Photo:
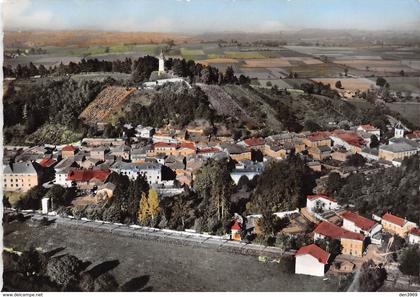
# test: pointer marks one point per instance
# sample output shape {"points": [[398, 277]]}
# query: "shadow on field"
{"points": [[103, 267], [137, 284], [54, 252]]}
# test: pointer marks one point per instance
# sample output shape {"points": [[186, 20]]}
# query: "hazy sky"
{"points": [[209, 15]]}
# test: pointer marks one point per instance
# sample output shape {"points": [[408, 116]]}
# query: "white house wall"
{"points": [[306, 264]]}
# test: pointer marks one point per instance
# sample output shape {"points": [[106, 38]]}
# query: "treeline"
{"points": [[140, 70], [394, 190], [51, 102]]}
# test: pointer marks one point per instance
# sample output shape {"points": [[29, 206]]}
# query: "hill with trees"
{"points": [[394, 189]]}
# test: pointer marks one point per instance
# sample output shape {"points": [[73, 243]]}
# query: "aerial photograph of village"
{"points": [[211, 146]]}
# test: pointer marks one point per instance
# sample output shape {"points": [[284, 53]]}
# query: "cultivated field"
{"points": [[351, 84]]}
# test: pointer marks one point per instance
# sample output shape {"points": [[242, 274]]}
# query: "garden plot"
{"points": [[260, 73], [267, 63], [350, 84], [403, 84]]}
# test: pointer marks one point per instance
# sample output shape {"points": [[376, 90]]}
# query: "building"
{"points": [[69, 151], [235, 231], [165, 148], [341, 154], [368, 128], [349, 140], [103, 141], [99, 153], [396, 151], [186, 149], [396, 225], [62, 169], [356, 223], [151, 171], [246, 168], [321, 138], [161, 63], [320, 153], [352, 243], [253, 143], [121, 151], [320, 203], [311, 260], [236, 152], [414, 236], [87, 179], [19, 177], [144, 132]]}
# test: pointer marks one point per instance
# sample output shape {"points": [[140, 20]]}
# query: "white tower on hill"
{"points": [[161, 63], [398, 131]]}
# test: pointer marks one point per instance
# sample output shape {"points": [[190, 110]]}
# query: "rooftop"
{"points": [[318, 196], [315, 251], [361, 222], [393, 219], [333, 231]]}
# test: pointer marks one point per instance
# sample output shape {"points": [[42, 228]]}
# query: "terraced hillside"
{"points": [[107, 100]]}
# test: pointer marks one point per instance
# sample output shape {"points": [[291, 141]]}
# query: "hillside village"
{"points": [[165, 163]]}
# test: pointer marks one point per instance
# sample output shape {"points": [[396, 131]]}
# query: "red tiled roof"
{"points": [[330, 230], [413, 135], [87, 175], [69, 148], [368, 127], [393, 219], [350, 137], [361, 222], [47, 162], [206, 150], [254, 141], [189, 145], [320, 135], [164, 144], [316, 196], [415, 231], [235, 226], [315, 251]]}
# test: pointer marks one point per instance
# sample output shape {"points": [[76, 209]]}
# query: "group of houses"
{"points": [[86, 164]]}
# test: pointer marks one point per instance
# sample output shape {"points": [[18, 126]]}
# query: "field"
{"points": [[403, 84], [165, 267], [351, 84]]}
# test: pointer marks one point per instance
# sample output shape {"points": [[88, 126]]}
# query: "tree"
{"points": [[410, 261], [371, 277], [356, 160], [32, 198], [380, 81], [334, 183], [312, 126], [346, 71], [57, 195], [402, 73], [64, 270], [153, 203], [374, 142], [143, 208], [338, 84]]}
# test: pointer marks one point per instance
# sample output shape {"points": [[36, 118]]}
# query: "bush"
{"points": [[64, 270]]}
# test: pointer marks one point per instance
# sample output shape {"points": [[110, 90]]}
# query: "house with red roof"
{"points": [[348, 139], [368, 128], [186, 149], [415, 135], [311, 260], [319, 138], [164, 148], [356, 223], [352, 243], [208, 152], [319, 203], [396, 225], [253, 143], [414, 236], [235, 231], [87, 179], [69, 151]]}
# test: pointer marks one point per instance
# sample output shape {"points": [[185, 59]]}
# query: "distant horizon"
{"points": [[216, 16]]}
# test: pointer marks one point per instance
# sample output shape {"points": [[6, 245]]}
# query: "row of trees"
{"points": [[140, 70]]}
